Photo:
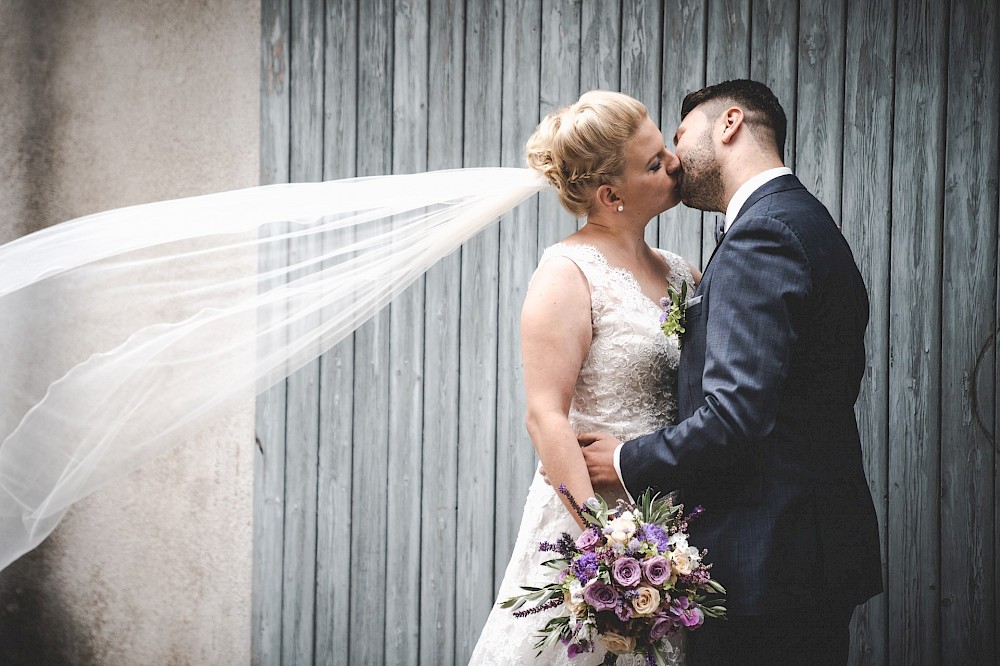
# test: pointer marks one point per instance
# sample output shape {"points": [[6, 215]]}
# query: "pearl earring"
{"points": [[620, 208]]}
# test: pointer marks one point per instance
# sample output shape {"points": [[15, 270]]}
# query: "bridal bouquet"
{"points": [[628, 581]]}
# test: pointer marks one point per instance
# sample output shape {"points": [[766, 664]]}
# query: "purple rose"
{"points": [[587, 539], [600, 596], [656, 569], [626, 571], [663, 624]]}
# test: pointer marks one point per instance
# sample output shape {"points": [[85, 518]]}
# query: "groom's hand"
{"points": [[599, 454]]}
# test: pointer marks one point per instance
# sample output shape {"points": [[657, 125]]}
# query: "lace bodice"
{"points": [[625, 387], [626, 384]]}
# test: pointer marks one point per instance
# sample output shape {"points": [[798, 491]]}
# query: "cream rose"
{"points": [[682, 562], [621, 528], [616, 643], [647, 601], [685, 559], [576, 602]]}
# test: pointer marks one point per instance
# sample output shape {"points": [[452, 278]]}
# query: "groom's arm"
{"points": [[757, 288]]}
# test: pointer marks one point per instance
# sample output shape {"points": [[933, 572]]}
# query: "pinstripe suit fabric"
{"points": [[767, 439]]}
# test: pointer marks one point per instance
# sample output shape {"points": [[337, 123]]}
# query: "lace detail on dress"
{"points": [[625, 387]]}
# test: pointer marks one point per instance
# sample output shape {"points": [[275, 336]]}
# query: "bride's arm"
{"points": [[555, 340]]}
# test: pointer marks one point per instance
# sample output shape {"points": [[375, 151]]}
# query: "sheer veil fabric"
{"points": [[124, 333]]}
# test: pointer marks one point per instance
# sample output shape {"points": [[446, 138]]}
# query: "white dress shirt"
{"points": [[748, 188], [732, 210]]}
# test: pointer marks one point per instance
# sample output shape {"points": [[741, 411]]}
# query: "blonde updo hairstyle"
{"points": [[582, 146]]}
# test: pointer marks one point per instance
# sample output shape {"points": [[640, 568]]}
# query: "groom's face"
{"points": [[701, 173]]}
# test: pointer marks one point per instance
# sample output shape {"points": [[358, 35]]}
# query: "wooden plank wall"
{"points": [[391, 473]]}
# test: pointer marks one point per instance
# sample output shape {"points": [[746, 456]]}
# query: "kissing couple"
{"points": [[749, 413]]}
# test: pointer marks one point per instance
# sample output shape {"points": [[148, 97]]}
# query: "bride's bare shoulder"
{"points": [[559, 271]]}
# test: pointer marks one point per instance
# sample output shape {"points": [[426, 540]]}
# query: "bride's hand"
{"points": [[599, 454]]}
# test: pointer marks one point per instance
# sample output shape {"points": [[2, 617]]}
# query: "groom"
{"points": [[771, 363]]}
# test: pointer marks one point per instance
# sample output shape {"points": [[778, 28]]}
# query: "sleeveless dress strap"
{"points": [[587, 258], [680, 270]]}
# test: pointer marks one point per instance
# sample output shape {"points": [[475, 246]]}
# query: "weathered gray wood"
{"points": [[727, 57], [774, 25], [996, 426], [336, 400], [728, 53], [560, 38], [866, 219], [968, 305], [406, 346], [302, 410], [269, 467], [370, 520], [600, 44], [685, 38], [820, 109], [430, 462], [442, 318], [274, 91], [915, 334], [478, 343], [996, 421], [516, 460]]}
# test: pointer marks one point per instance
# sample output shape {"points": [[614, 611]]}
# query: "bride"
{"points": [[593, 354]]}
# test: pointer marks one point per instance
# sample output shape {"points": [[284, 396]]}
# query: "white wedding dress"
{"points": [[625, 387]]}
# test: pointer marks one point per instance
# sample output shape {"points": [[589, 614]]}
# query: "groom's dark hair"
{"points": [[761, 109]]}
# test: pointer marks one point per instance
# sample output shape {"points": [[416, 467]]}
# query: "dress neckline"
{"points": [[625, 273]]}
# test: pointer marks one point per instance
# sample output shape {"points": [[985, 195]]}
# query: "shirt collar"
{"points": [[748, 188]]}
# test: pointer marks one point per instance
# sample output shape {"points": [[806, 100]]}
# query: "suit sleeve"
{"points": [[754, 300]]}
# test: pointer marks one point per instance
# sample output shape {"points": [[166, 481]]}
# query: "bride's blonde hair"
{"points": [[582, 146]]}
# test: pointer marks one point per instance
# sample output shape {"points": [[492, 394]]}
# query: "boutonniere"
{"points": [[674, 306]]}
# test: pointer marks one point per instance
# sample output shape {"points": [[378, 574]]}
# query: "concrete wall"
{"points": [[106, 103]]}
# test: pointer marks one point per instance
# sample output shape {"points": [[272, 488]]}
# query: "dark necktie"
{"points": [[720, 228]]}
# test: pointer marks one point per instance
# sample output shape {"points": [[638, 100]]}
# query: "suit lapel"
{"points": [[773, 186]]}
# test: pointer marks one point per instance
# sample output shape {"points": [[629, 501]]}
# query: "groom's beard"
{"points": [[701, 177]]}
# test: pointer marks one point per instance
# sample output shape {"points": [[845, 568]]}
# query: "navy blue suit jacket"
{"points": [[767, 439]]}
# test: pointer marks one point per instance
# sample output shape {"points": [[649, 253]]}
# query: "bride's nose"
{"points": [[673, 164]]}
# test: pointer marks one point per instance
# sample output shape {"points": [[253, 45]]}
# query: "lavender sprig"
{"points": [[551, 603], [572, 501]]}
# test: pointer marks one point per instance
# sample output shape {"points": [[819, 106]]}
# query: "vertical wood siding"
{"points": [[391, 472], [866, 205]]}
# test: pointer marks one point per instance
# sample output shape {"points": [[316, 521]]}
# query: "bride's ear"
{"points": [[607, 198]]}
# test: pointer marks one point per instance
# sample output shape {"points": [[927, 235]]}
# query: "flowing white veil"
{"points": [[124, 333]]}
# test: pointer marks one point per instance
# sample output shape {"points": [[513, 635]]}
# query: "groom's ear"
{"points": [[732, 123]]}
